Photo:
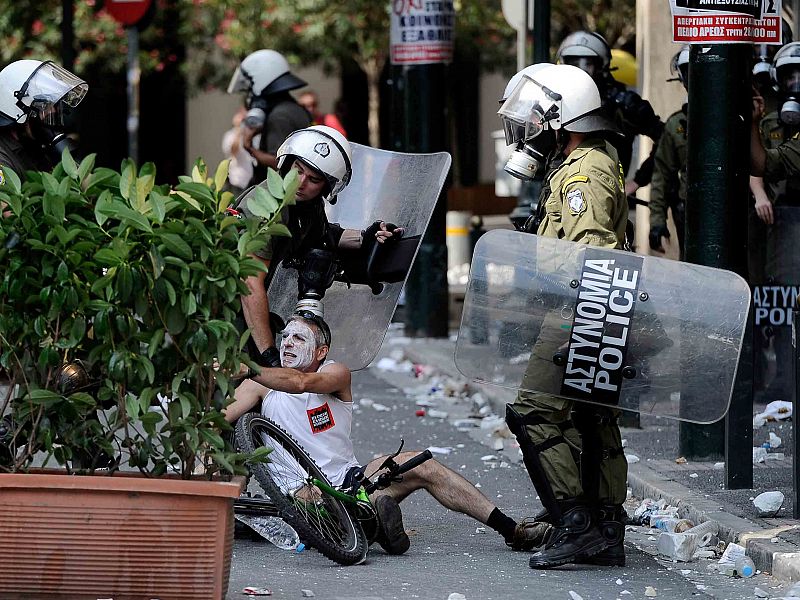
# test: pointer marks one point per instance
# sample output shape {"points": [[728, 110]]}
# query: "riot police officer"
{"points": [[558, 114], [668, 188], [625, 108], [272, 113], [775, 156], [323, 160], [35, 99]]}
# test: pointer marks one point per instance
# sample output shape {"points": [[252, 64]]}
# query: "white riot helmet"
{"points": [[586, 50], [262, 73], [530, 70], [679, 65], [322, 148], [41, 89], [557, 97]]}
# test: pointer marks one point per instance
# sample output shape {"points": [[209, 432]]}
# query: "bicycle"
{"points": [[339, 522]]}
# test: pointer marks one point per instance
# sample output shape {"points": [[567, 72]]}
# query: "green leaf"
{"points": [[102, 207], [221, 175], [143, 187], [197, 190], [130, 217], [124, 282], [262, 204], [69, 164], [148, 367], [107, 257], [44, 398], [186, 407], [53, 205], [49, 182], [275, 183], [157, 261], [86, 166], [212, 437], [176, 320], [77, 331], [158, 204], [11, 180], [279, 229], [127, 179], [290, 184], [189, 304], [154, 345], [176, 244]]}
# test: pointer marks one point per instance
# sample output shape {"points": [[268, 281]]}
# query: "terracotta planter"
{"points": [[120, 537]]}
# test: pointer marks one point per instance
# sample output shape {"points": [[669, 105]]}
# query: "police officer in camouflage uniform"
{"points": [[557, 114], [668, 188], [775, 156], [631, 114]]}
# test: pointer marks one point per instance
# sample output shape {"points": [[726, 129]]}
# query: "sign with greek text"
{"points": [[773, 304], [422, 32], [598, 341], [726, 21]]}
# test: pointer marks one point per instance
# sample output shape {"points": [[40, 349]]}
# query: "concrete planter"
{"points": [[120, 537]]}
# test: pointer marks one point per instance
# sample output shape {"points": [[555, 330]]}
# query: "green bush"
{"points": [[141, 283]]}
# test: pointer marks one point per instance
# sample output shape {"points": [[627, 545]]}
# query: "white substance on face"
{"points": [[297, 345]]}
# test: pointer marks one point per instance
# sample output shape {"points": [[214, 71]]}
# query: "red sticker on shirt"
{"points": [[320, 418]]}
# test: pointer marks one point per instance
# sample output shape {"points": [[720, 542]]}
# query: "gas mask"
{"points": [[256, 112], [529, 156], [48, 130], [790, 87]]}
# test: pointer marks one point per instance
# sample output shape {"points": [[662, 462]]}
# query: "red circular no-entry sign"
{"points": [[127, 12]]}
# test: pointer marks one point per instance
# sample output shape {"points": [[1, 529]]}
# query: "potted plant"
{"points": [[118, 302]]}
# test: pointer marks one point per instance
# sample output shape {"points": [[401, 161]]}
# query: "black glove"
{"points": [[270, 357], [368, 235], [656, 233]]}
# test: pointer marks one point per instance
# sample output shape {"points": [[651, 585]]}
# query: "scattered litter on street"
{"points": [[307, 593], [759, 455], [677, 546], [256, 591], [774, 440], [650, 591], [681, 460], [575, 595], [488, 457], [456, 596], [480, 530], [768, 503], [437, 414], [718, 466], [380, 407], [632, 459], [440, 449]]}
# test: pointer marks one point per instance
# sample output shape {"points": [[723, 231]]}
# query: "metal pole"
{"points": [[134, 74], [67, 35], [716, 218], [795, 420], [529, 190]]}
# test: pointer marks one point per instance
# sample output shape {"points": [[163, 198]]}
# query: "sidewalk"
{"points": [[696, 488]]}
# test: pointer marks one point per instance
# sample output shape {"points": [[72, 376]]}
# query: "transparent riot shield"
{"points": [[398, 188], [602, 326]]}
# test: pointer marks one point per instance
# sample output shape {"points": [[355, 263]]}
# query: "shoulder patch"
{"points": [[576, 202], [2, 177]]}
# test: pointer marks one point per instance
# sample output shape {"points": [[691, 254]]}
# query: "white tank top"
{"points": [[321, 423]]}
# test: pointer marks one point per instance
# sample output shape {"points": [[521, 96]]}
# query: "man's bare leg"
{"points": [[449, 488]]}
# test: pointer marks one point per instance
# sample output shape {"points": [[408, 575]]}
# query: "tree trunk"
{"points": [[372, 68]]}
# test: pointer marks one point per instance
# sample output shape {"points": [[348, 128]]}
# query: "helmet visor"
{"points": [[530, 106], [240, 82], [51, 91]]}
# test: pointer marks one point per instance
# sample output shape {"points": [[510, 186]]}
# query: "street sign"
{"points": [[421, 33], [127, 12], [726, 21]]}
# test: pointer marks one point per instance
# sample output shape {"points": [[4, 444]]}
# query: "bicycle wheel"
{"points": [[320, 520]]}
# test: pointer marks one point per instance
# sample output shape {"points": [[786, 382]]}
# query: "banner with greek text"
{"points": [[422, 32], [726, 21]]}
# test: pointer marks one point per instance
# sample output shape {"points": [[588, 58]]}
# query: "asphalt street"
{"points": [[449, 553]]}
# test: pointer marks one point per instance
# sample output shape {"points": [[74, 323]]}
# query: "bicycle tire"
{"points": [[325, 524]]}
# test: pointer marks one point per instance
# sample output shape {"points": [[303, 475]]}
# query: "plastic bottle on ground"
{"points": [[745, 567], [277, 531]]}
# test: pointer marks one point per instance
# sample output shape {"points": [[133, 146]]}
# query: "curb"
{"points": [[768, 552]]}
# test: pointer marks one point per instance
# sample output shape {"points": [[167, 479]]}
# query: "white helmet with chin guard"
{"points": [[37, 88], [262, 73], [322, 148], [557, 97]]}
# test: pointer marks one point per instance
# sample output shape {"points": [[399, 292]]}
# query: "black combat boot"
{"points": [[611, 520], [576, 536]]}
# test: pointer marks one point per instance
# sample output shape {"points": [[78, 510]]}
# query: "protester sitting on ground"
{"points": [[309, 381]]}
